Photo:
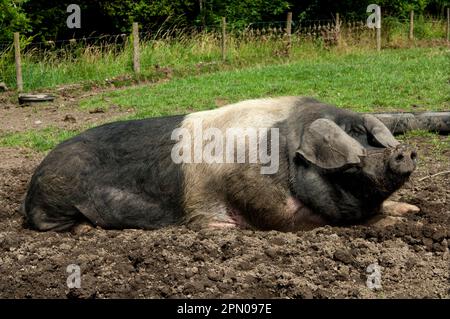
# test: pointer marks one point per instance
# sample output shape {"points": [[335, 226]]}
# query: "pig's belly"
{"points": [[303, 217], [297, 217]]}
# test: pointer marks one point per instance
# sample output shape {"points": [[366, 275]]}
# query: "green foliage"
{"points": [[150, 14], [401, 8], [47, 18], [244, 12], [12, 19]]}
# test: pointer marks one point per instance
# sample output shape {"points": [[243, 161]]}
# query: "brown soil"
{"points": [[60, 113], [328, 262]]}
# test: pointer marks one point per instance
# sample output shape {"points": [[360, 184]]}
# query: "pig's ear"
{"points": [[379, 131], [326, 145]]}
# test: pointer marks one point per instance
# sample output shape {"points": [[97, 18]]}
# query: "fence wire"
{"points": [[326, 32], [258, 28]]}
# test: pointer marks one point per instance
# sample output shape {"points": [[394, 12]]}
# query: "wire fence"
{"points": [[437, 29], [300, 27], [226, 38]]}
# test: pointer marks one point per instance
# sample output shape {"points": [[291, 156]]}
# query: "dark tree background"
{"points": [[46, 19]]}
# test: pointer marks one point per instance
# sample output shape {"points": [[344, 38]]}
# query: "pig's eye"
{"points": [[359, 129], [372, 141], [352, 170]]}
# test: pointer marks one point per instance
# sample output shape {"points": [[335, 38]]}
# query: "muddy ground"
{"points": [[63, 112], [329, 262]]}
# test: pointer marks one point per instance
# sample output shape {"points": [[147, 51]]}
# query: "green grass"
{"points": [[42, 140], [424, 29], [90, 65], [363, 81], [438, 145], [188, 53]]}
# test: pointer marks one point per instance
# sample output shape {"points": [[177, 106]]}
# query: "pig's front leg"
{"points": [[392, 208], [82, 228], [265, 203], [392, 212], [243, 197]]}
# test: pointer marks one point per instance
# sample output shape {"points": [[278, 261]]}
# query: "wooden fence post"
{"points": [[411, 25], [289, 33], [224, 37], [379, 35], [337, 29], [448, 25], [19, 80], [136, 53]]}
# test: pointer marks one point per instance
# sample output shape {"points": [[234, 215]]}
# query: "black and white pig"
{"points": [[323, 165]]}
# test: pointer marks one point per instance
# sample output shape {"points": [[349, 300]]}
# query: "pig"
{"points": [[327, 166]]}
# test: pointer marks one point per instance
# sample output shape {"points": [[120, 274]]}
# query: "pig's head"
{"points": [[344, 171]]}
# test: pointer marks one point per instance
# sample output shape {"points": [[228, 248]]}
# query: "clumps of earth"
{"points": [[411, 258]]}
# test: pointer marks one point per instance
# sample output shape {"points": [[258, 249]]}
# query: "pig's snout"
{"points": [[403, 160]]}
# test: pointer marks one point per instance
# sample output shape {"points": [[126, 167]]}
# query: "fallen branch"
{"points": [[437, 174]]}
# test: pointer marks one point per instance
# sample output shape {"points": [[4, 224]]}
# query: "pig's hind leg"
{"points": [[119, 208], [48, 204], [44, 220]]}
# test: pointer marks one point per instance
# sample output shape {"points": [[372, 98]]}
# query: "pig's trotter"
{"points": [[221, 225], [384, 221], [392, 208], [82, 228], [392, 213]]}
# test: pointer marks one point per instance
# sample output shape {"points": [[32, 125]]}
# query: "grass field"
{"points": [[184, 56], [186, 52], [364, 81], [401, 79]]}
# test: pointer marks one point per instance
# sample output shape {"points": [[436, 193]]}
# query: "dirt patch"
{"points": [[62, 113], [327, 262]]}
